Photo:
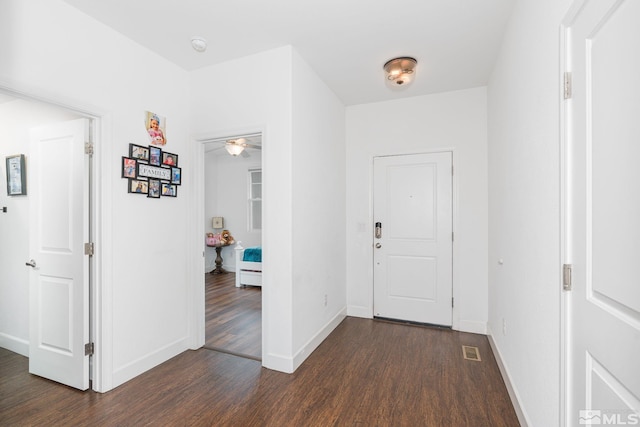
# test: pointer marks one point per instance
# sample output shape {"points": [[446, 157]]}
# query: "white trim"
{"points": [[196, 246], [317, 339], [102, 295], [195, 274], [101, 307], [455, 315], [506, 377], [148, 361], [565, 212], [15, 344], [288, 365], [471, 326]]}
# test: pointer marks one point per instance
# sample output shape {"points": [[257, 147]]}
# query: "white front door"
{"points": [[59, 278], [602, 311], [412, 203]]}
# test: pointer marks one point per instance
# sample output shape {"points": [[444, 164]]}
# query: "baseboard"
{"points": [[143, 364], [513, 394], [15, 344], [471, 326], [278, 363], [288, 365], [317, 339], [359, 311]]}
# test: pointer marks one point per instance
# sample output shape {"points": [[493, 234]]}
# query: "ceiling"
{"points": [[345, 41]]}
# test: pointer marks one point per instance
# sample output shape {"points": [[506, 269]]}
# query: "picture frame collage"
{"points": [[151, 171]]}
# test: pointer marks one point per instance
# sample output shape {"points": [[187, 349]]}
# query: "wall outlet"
{"points": [[504, 326]]}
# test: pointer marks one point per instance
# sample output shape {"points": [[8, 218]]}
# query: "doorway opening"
{"points": [[41, 131], [233, 227]]}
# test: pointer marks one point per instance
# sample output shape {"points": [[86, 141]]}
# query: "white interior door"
{"points": [[603, 122], [59, 281], [413, 254]]}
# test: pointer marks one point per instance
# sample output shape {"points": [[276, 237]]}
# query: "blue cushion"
{"points": [[253, 254]]}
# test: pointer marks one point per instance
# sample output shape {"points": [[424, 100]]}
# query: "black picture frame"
{"points": [[154, 189], [16, 175], [129, 167], [176, 176], [139, 152], [169, 159], [169, 190], [155, 156], [138, 186]]}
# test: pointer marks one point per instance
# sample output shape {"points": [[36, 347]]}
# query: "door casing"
{"points": [[455, 315], [100, 229]]}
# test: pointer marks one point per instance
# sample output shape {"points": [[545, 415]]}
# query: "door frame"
{"points": [[564, 216], [196, 246], [565, 211], [455, 315], [100, 220]]}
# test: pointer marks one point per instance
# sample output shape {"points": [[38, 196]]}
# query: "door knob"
{"points": [[31, 263], [378, 245]]}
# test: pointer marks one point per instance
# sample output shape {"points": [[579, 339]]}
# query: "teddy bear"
{"points": [[227, 238]]}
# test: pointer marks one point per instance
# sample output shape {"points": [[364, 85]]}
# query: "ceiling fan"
{"points": [[237, 145]]}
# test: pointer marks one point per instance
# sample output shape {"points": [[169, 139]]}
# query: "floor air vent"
{"points": [[471, 353]]}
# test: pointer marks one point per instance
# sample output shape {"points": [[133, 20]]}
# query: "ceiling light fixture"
{"points": [[199, 44], [400, 71], [235, 146]]}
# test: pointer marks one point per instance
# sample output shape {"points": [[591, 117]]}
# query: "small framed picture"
{"points": [[218, 222], [154, 188], [128, 167], [169, 190], [139, 152], [16, 175], [176, 176], [155, 156], [169, 159], [155, 125], [138, 186]]}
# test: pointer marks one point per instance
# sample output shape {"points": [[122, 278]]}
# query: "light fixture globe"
{"points": [[235, 146], [400, 71], [198, 43]]}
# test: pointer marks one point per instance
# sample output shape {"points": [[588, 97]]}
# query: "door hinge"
{"points": [[451, 302], [566, 277], [88, 148], [88, 249], [567, 85], [453, 238], [451, 170], [88, 349]]}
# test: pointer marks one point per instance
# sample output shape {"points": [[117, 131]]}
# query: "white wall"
{"points": [[226, 184], [523, 105], [258, 93], [448, 121], [17, 118], [248, 95], [53, 51], [319, 245]]}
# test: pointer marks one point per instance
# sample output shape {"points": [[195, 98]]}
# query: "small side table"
{"points": [[219, 260]]}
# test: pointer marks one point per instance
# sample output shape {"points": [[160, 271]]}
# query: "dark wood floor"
{"points": [[233, 316], [366, 373]]}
